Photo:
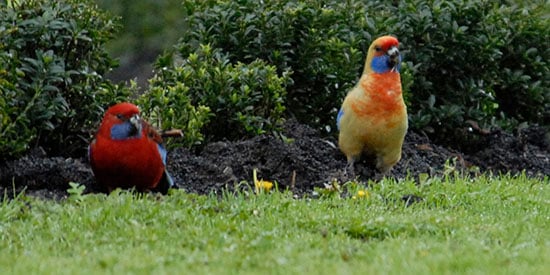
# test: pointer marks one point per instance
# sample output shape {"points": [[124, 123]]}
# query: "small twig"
{"points": [[172, 133], [475, 126], [293, 180]]}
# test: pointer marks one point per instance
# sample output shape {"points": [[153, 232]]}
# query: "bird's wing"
{"points": [[339, 117], [166, 181], [151, 132]]}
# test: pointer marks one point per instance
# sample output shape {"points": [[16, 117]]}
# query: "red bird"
{"points": [[128, 152]]}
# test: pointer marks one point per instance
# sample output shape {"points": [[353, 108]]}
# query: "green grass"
{"points": [[485, 225]]}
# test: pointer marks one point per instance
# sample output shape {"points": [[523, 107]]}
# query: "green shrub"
{"points": [[476, 60], [168, 106], [321, 42], [522, 89], [51, 66], [463, 60], [233, 100]]}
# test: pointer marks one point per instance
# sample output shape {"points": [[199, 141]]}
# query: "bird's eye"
{"points": [[378, 48], [119, 116]]}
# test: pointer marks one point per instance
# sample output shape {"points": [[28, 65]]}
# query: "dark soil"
{"points": [[301, 162]]}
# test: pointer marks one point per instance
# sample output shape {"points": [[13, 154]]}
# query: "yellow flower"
{"points": [[264, 185], [361, 194], [261, 185]]}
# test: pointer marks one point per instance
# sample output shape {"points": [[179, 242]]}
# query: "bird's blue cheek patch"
{"points": [[339, 117], [379, 64], [124, 131]]}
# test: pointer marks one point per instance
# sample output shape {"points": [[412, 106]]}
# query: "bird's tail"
{"points": [[165, 183]]}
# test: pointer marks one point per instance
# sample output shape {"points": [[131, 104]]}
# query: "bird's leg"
{"points": [[349, 170], [379, 175], [384, 167]]}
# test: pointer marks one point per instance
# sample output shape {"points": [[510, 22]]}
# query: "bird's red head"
{"points": [[118, 114], [383, 56], [381, 45], [124, 110]]}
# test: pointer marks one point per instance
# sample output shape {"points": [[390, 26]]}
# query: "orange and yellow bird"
{"points": [[373, 116]]}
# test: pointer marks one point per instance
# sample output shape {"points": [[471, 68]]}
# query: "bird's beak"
{"points": [[136, 123], [394, 59]]}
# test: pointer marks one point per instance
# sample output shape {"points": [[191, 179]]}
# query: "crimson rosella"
{"points": [[128, 152], [373, 116]]}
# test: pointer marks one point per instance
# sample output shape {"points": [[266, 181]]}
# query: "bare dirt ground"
{"points": [[302, 161]]}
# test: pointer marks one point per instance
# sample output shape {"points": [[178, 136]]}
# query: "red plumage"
{"points": [[126, 153]]}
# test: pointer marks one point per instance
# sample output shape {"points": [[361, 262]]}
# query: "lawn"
{"points": [[484, 225]]}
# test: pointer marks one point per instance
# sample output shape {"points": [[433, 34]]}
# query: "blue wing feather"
{"points": [[339, 117], [163, 154]]}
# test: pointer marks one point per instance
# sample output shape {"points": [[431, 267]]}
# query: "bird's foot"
{"points": [[349, 172]]}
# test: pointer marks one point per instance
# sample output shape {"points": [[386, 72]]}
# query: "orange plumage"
{"points": [[373, 116]]}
